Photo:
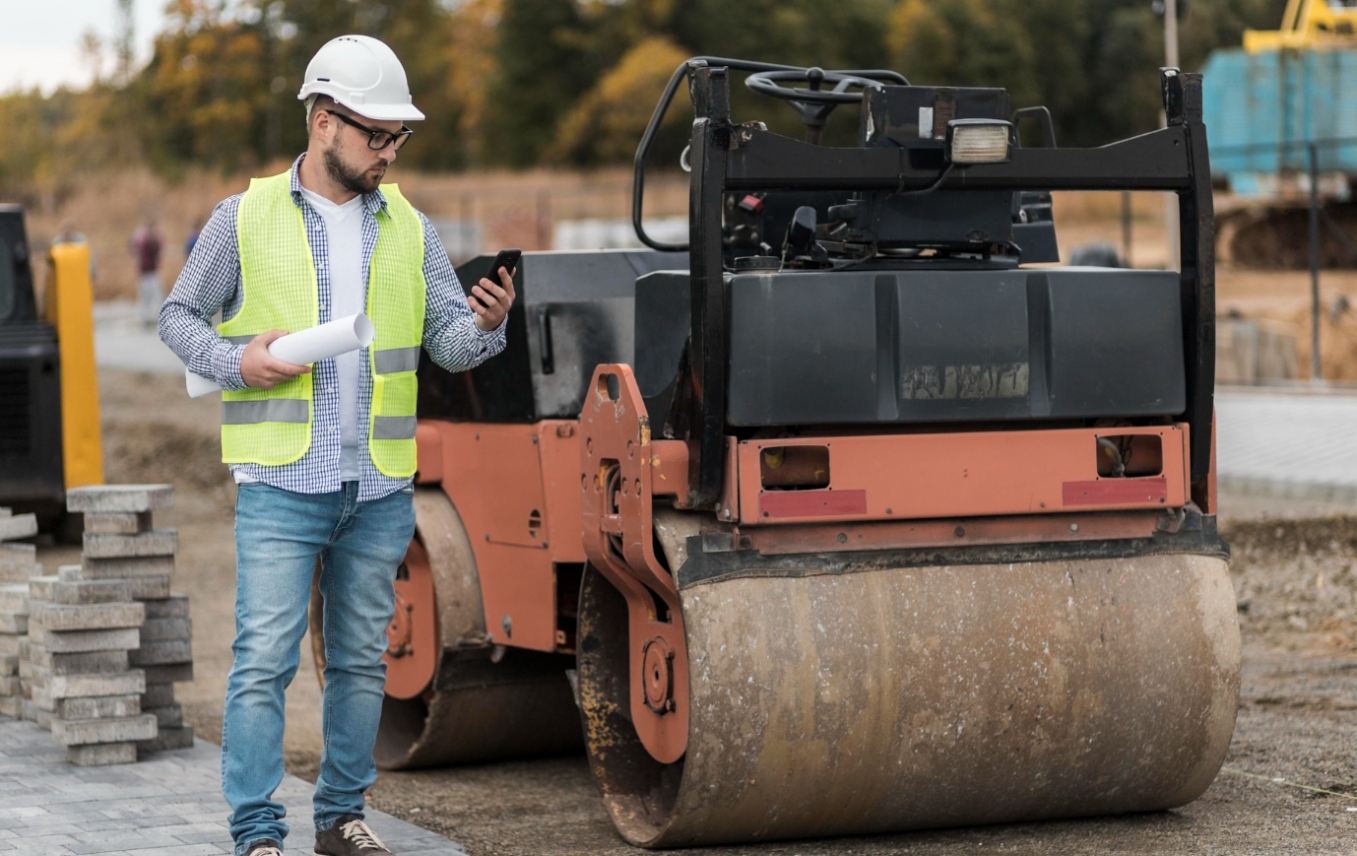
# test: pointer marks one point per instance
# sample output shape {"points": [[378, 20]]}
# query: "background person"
{"points": [[145, 247], [323, 456]]}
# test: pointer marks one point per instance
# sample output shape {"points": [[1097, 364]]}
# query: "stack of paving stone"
{"points": [[80, 634], [17, 564], [121, 544]]}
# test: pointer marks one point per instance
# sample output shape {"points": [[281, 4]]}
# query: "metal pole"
{"points": [[1171, 199], [1313, 151], [1126, 228]]}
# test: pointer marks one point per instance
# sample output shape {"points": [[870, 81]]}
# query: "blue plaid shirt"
{"points": [[210, 281]]}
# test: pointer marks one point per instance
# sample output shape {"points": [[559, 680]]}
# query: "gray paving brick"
{"points": [[167, 630], [76, 641], [162, 653], [172, 606], [81, 663], [146, 588], [120, 498], [158, 695], [102, 754], [202, 849], [89, 616], [156, 542], [14, 598], [56, 590], [100, 707], [11, 623], [130, 682], [18, 526], [95, 568], [170, 716], [77, 732], [118, 522]]}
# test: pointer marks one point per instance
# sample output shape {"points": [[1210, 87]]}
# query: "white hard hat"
{"points": [[363, 74]]}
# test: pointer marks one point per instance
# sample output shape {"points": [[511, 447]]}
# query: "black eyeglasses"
{"points": [[377, 138]]}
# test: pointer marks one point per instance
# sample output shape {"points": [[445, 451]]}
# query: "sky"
{"points": [[40, 41]]}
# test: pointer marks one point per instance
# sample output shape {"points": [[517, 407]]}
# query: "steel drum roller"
{"points": [[905, 698]]}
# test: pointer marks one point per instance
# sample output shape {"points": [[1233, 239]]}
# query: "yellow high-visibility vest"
{"points": [[278, 282]]}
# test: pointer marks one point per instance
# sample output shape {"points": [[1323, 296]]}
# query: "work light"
{"points": [[978, 140]]}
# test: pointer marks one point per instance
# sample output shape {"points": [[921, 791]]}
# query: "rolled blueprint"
{"points": [[305, 347]]}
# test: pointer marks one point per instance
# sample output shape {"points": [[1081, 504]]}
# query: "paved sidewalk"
{"points": [[168, 806], [1288, 442]]}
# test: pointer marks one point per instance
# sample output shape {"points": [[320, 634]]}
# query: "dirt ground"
{"points": [[1295, 570]]}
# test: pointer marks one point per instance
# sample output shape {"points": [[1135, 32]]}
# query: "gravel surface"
{"points": [[1295, 570]]}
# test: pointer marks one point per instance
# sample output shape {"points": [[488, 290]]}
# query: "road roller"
{"points": [[854, 513]]}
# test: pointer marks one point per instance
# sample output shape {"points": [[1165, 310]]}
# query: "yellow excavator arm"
{"points": [[1307, 24], [69, 308]]}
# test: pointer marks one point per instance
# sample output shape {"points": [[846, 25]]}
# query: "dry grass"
{"points": [[515, 209]]}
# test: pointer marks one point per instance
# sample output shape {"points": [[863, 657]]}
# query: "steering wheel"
{"points": [[816, 103]]}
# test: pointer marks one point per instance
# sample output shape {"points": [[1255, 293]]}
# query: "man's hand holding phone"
{"points": [[491, 300]]}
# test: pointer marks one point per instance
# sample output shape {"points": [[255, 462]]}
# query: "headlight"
{"points": [[978, 140]]}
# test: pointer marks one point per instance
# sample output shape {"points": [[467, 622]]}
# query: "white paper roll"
{"points": [[305, 347]]}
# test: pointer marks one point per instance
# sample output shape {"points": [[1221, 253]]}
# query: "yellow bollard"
{"points": [[69, 307]]}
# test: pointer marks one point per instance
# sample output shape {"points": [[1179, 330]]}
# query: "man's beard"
{"points": [[354, 181]]}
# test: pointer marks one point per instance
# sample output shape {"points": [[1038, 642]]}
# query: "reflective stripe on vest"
{"points": [[395, 360], [267, 410], [393, 427]]}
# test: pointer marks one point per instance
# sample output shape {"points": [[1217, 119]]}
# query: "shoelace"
{"points": [[358, 832]]}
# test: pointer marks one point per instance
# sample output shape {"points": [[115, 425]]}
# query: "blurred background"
{"points": [[123, 110]]}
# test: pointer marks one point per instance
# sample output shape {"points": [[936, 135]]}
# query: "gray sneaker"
{"points": [[350, 837], [267, 847]]}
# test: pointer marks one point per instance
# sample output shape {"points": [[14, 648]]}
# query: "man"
{"points": [[323, 455], [145, 246]]}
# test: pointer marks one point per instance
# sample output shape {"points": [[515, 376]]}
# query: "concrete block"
{"points": [[85, 663], [155, 542], [9, 644], [103, 499], [11, 706], [9, 685], [9, 664], [42, 699], [167, 630], [161, 653], [102, 754], [168, 738], [32, 673], [56, 590], [33, 713], [96, 568], [18, 526], [157, 695], [19, 573], [18, 554], [12, 624], [99, 707], [143, 588], [25, 647], [70, 573], [118, 522], [121, 729], [132, 682], [177, 673], [75, 641], [14, 598], [171, 716], [89, 616], [174, 606]]}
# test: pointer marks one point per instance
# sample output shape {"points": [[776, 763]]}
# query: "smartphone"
{"points": [[507, 259]]}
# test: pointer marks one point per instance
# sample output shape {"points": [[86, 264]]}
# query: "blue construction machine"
{"points": [[1282, 114]]}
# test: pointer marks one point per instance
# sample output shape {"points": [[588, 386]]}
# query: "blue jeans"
{"points": [[279, 535]]}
